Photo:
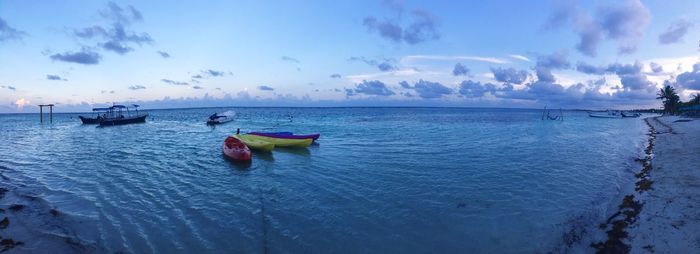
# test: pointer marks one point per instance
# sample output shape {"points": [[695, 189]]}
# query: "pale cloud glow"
{"points": [[672, 65], [402, 73], [407, 60], [488, 75], [520, 57], [21, 103]]}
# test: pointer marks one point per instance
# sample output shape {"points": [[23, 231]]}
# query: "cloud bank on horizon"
{"points": [[377, 53]]}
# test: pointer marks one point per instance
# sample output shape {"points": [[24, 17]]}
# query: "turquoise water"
{"points": [[380, 180]]}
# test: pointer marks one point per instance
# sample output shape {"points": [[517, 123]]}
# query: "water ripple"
{"points": [[381, 180]]}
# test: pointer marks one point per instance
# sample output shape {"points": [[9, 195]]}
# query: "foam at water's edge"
{"points": [[630, 208], [581, 230]]}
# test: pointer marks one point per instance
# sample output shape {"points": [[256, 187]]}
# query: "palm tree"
{"points": [[670, 99], [695, 100]]}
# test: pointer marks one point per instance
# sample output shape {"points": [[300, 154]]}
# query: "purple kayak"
{"points": [[287, 135]]}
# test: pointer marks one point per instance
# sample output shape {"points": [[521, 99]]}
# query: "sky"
{"points": [[171, 54]]}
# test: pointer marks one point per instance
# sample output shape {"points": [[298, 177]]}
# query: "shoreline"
{"points": [[323, 107], [660, 215], [670, 221], [29, 223]]}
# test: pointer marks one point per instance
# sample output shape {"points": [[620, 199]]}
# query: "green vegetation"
{"points": [[672, 102], [670, 99], [694, 101]]}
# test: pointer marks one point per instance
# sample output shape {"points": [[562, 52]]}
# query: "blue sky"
{"points": [[592, 54]]}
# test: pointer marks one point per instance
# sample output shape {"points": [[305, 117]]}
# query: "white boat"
{"points": [[219, 118], [606, 114], [631, 114]]}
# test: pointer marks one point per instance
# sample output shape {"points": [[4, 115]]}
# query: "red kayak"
{"points": [[235, 149]]}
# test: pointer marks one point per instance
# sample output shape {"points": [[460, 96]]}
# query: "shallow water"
{"points": [[398, 180]]}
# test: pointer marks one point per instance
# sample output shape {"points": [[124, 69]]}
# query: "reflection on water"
{"points": [[238, 165], [294, 150]]}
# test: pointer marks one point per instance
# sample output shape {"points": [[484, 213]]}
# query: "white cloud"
{"points": [[520, 57], [565, 80], [488, 75], [402, 73], [671, 67], [413, 58]]}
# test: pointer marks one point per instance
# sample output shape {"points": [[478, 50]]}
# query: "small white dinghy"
{"points": [[631, 114], [606, 114], [219, 118]]}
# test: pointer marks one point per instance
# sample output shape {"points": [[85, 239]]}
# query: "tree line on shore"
{"points": [[672, 102]]}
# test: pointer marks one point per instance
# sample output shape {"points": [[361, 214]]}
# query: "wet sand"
{"points": [[661, 215], [627, 213]]}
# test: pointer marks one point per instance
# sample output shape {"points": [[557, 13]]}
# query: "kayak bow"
{"points": [[236, 150]]}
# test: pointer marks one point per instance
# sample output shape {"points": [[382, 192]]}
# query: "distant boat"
{"points": [[606, 114], [219, 118], [120, 115], [631, 114], [96, 118]]}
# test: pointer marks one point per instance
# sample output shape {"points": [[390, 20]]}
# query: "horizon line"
{"points": [[455, 107]]}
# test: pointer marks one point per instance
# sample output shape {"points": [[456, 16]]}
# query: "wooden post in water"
{"points": [[41, 112], [561, 113], [544, 110]]}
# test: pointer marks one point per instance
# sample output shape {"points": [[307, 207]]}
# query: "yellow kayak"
{"points": [[255, 144], [280, 142]]}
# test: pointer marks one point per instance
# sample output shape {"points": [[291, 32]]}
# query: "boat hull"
{"points": [[87, 120], [122, 121], [219, 121], [255, 144], [631, 115], [286, 135], [235, 149], [283, 142], [220, 118], [604, 116]]}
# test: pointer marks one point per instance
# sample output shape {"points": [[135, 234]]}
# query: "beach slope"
{"points": [[670, 219]]}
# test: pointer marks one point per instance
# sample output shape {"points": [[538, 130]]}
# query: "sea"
{"points": [[379, 180]]}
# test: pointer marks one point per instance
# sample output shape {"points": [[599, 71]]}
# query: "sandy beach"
{"points": [[669, 221]]}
